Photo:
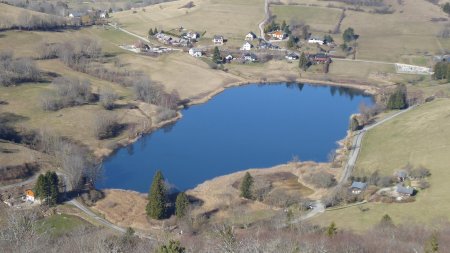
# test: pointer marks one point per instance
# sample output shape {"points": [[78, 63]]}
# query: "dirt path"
{"points": [[266, 17]]}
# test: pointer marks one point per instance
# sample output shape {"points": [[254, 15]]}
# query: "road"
{"points": [[366, 61], [95, 216], [139, 37], [266, 17], [28, 181], [319, 207]]}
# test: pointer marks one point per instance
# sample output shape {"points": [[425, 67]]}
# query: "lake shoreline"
{"points": [[204, 98]]}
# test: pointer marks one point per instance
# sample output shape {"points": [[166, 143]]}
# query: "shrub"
{"points": [[321, 179], [68, 92], [106, 126], [107, 99]]}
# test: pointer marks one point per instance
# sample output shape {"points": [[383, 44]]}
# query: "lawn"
{"points": [[320, 19], [60, 224], [418, 137]]}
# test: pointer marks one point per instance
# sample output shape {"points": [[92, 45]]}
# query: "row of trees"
{"points": [[157, 207], [17, 70], [85, 55], [27, 21], [47, 188], [67, 92]]}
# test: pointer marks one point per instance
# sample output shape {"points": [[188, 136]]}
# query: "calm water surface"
{"points": [[254, 126]]}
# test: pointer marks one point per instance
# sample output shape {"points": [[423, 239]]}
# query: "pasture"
{"points": [[420, 137]]}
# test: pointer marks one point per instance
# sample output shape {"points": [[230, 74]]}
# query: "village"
{"points": [[254, 49]]}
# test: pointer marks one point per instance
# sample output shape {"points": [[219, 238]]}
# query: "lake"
{"points": [[253, 126]]}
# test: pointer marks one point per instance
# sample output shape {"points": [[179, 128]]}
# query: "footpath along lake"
{"points": [[253, 126]]}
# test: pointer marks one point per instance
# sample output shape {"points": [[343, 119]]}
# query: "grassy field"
{"points": [[58, 225], [320, 19], [419, 137], [390, 37], [231, 18]]}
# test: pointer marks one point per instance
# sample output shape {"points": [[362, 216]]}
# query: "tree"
{"points": [[386, 221], [305, 32], [150, 32], [354, 124], [331, 230], [303, 62], [446, 8], [216, 56], [46, 188], [397, 100], [291, 42], [328, 39], [283, 25], [432, 245], [246, 186], [156, 207], [172, 247], [181, 205], [349, 35]]}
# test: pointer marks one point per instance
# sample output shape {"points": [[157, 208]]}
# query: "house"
{"points": [[319, 58], [358, 187], [218, 40], [401, 175], [29, 195], [193, 35], [229, 58], [75, 15], [315, 40], [104, 14], [249, 57], [292, 56], [195, 52], [279, 35], [404, 191], [250, 36], [247, 46]]}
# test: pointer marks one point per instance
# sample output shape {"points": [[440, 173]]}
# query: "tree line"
{"points": [[17, 70], [85, 55]]}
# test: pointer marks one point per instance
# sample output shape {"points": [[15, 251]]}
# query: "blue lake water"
{"points": [[254, 126]]}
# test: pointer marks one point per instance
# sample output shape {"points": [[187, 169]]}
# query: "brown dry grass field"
{"points": [[219, 197], [420, 137]]}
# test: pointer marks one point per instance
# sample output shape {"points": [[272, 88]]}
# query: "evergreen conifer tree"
{"points": [[332, 230], [216, 56], [246, 186], [181, 205], [156, 207], [303, 62]]}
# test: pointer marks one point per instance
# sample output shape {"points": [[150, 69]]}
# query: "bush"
{"points": [[420, 172], [397, 100], [321, 179], [106, 126], [107, 99], [68, 92], [15, 71]]}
